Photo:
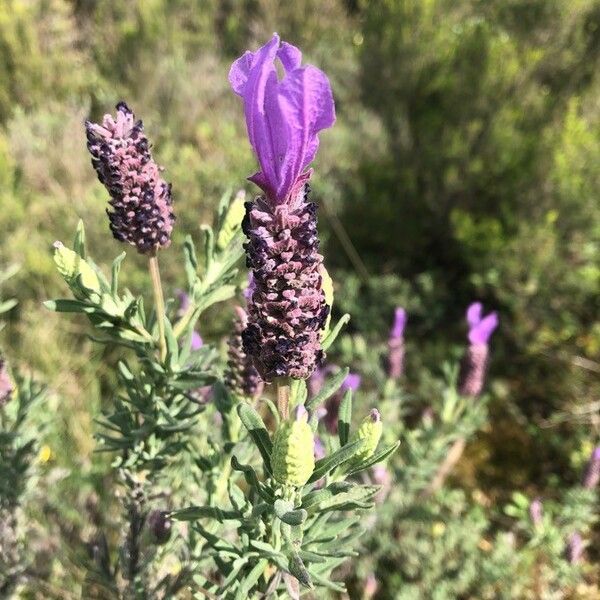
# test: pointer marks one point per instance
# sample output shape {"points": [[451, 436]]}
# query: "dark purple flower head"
{"points": [[241, 377], [480, 327], [283, 116], [592, 472], [142, 212]]}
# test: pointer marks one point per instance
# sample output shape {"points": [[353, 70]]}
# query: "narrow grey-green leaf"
{"points": [[330, 387]]}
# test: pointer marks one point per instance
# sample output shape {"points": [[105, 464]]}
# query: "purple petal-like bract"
{"points": [[474, 364], [480, 328], [197, 342], [575, 548], [142, 213], [241, 377], [287, 307], [395, 362], [283, 117]]}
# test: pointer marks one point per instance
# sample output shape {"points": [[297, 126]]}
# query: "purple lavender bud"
{"points": [[319, 448], [241, 377], [288, 308], [159, 526], [474, 364], [6, 384], [574, 548], [592, 472], [141, 202], [184, 302], [535, 512], [332, 406], [371, 587], [197, 341], [396, 344]]}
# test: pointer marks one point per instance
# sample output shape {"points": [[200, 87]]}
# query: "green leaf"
{"points": [[115, 270], [298, 570], [193, 513], [248, 582], [252, 479], [329, 463], [376, 458], [68, 306], [258, 432], [284, 510], [190, 260], [345, 417], [331, 337], [330, 387], [79, 241]]}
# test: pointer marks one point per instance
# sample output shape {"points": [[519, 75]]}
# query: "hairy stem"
{"points": [[159, 304], [283, 398]]}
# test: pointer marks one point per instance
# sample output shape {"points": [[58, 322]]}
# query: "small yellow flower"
{"points": [[438, 529], [484, 545], [45, 454]]}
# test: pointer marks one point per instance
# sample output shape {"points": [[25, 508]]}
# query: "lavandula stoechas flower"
{"points": [[283, 117], [575, 548], [332, 406], [241, 377], [591, 476], [6, 384], [396, 344], [536, 511], [142, 213], [474, 364]]}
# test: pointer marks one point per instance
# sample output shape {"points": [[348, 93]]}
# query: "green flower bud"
{"points": [[293, 459], [370, 431], [70, 265], [232, 222]]}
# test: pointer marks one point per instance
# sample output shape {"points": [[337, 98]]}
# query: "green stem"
{"points": [[159, 304], [283, 398]]}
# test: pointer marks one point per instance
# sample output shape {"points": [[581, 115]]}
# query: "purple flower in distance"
{"points": [[283, 117], [474, 363], [536, 511], [592, 472], [575, 548], [287, 307], [142, 209], [332, 406], [480, 327], [396, 344], [6, 384]]}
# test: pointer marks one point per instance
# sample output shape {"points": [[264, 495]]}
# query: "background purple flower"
{"points": [[283, 117], [592, 472], [480, 327], [395, 359], [332, 406]]}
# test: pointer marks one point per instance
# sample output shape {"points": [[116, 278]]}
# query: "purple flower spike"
{"points": [[283, 117], [575, 548], [480, 328], [592, 471], [287, 307], [395, 361], [142, 209], [474, 364], [6, 385]]}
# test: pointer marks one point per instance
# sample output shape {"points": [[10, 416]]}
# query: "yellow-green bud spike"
{"points": [[233, 220], [370, 431], [70, 265], [293, 458]]}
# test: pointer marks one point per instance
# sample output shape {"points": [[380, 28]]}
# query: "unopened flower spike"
{"points": [[287, 310], [370, 431], [396, 344], [474, 364], [142, 208], [293, 457]]}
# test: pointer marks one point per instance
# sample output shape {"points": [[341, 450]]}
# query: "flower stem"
{"points": [[283, 398], [159, 304]]}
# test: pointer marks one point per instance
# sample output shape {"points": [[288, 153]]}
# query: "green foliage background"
{"points": [[465, 164]]}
